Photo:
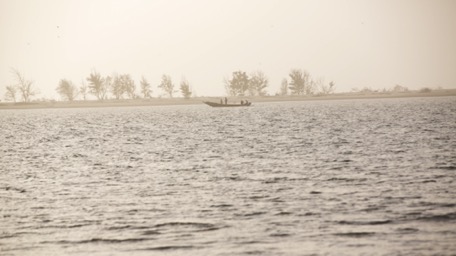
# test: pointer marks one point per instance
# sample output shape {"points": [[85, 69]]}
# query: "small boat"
{"points": [[219, 105]]}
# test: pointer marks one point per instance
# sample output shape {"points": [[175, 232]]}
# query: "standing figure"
{"points": [[226, 101]]}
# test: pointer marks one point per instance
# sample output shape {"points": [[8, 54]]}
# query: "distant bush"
{"points": [[425, 90], [399, 88], [365, 90]]}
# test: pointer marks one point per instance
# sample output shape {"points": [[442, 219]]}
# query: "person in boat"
{"points": [[226, 101], [242, 102]]}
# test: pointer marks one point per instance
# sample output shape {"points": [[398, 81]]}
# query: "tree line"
{"points": [[118, 86], [122, 86], [300, 82]]}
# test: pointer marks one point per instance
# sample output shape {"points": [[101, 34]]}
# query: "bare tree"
{"points": [[284, 87], [146, 90], [10, 94], [229, 89], [326, 89], [167, 85], [258, 83], [97, 85], [332, 86], [67, 90], [311, 87], [24, 86], [83, 90], [185, 88], [108, 82]]}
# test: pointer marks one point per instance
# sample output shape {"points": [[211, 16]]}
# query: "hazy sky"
{"points": [[365, 43]]}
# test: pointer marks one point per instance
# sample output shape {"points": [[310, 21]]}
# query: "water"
{"points": [[364, 177]]}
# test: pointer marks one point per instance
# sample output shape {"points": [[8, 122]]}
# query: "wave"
{"points": [[449, 168], [433, 204], [283, 213], [7, 188], [251, 214], [150, 232], [5, 236], [355, 234], [221, 205], [362, 223], [98, 240], [169, 248], [347, 179], [279, 235], [194, 226], [439, 217], [407, 230], [126, 227]]}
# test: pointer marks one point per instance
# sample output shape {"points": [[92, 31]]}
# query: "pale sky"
{"points": [[355, 43]]}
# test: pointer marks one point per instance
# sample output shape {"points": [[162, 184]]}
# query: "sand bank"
{"points": [[199, 100]]}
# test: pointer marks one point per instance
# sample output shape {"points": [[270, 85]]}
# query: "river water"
{"points": [[348, 177]]}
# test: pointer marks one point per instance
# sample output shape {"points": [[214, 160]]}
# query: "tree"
{"points": [[258, 83], [10, 94], [284, 87], [400, 88], [97, 85], [129, 86], [83, 90], [297, 83], [122, 84], [326, 89], [67, 90], [117, 88], [238, 85], [229, 90], [300, 83], [311, 87], [425, 90], [108, 81], [332, 86], [185, 89], [24, 86], [146, 90], [167, 85]]}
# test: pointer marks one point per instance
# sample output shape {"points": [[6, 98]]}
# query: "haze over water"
{"points": [[341, 177], [355, 43]]}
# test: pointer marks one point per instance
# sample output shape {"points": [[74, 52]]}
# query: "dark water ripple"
{"points": [[373, 177]]}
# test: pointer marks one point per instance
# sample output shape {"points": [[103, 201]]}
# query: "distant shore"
{"points": [[199, 100]]}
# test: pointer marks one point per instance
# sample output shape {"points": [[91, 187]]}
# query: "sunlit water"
{"points": [[371, 177]]}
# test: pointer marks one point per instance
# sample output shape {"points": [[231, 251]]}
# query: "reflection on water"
{"points": [[325, 177]]}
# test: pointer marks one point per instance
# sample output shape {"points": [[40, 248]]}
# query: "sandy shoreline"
{"points": [[199, 100]]}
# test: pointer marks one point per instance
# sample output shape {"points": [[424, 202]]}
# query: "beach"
{"points": [[199, 100]]}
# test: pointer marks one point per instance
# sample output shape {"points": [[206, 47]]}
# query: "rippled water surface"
{"points": [[371, 177]]}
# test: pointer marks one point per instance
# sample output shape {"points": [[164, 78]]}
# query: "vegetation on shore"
{"points": [[199, 100], [122, 88]]}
